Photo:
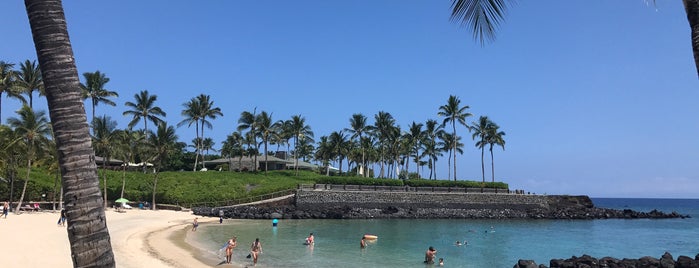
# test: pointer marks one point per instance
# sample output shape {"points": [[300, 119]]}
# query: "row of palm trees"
{"points": [[383, 143]]}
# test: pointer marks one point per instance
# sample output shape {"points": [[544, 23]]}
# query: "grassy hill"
{"points": [[186, 188]]}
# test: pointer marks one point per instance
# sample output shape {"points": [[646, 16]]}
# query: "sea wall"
{"points": [[665, 261], [336, 204], [414, 200]]}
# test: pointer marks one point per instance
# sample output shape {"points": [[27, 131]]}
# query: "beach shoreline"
{"points": [[139, 238]]}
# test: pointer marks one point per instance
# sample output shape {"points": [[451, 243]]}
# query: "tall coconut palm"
{"points": [[383, 126], [339, 146], [324, 153], [480, 131], [7, 79], [359, 127], [300, 131], [87, 230], [265, 128], [94, 90], [248, 121], [144, 108], [103, 141], [192, 115], [433, 130], [207, 111], [233, 146], [33, 128], [451, 143], [414, 139], [28, 80], [454, 113], [207, 144], [127, 142], [162, 143], [495, 137]]}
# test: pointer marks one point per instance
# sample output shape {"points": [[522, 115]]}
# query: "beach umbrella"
{"points": [[121, 200]]}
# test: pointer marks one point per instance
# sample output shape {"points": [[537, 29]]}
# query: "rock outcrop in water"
{"points": [[586, 261], [493, 207]]}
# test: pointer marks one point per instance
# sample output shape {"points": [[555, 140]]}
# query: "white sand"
{"points": [[140, 238]]}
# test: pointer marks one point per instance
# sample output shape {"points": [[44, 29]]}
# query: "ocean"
{"points": [[490, 243]]}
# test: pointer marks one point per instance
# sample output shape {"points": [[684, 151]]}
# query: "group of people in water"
{"points": [[255, 250]]}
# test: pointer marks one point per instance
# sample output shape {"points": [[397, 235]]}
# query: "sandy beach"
{"points": [[140, 238]]}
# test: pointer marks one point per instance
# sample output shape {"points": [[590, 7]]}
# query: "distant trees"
{"points": [[454, 113]]}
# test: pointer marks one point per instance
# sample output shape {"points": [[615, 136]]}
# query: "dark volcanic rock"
{"points": [[525, 264], [586, 261]]}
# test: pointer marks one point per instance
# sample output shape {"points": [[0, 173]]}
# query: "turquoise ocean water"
{"points": [[402, 243]]}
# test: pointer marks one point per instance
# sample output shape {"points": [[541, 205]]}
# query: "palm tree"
{"points": [[192, 113], [324, 153], [265, 127], [94, 90], [451, 143], [33, 128], [433, 130], [7, 79], [300, 131], [358, 127], [453, 112], [29, 80], [163, 143], [247, 121], [339, 146], [87, 230], [480, 130], [144, 108], [414, 138], [207, 110], [127, 142], [495, 137], [233, 146], [103, 142], [384, 124], [206, 145]]}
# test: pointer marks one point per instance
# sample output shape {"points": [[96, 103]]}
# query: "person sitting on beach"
{"points": [[255, 249], [195, 224], [310, 240], [430, 254], [232, 243], [362, 243]]}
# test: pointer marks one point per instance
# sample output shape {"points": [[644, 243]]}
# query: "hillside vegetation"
{"points": [[188, 188]]}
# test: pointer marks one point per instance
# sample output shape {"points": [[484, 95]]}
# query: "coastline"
{"points": [[139, 238]]}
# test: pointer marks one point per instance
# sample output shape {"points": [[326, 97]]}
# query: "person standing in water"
{"points": [[362, 243], [195, 224], [255, 250], [310, 240], [232, 243], [430, 254]]}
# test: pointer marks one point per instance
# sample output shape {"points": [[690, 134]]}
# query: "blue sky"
{"points": [[596, 97]]}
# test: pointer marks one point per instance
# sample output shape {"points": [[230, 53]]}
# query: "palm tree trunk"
{"points": [[201, 145], [692, 9], [123, 181], [492, 163], [87, 229], [24, 188], [196, 147], [482, 164], [155, 186], [266, 162]]}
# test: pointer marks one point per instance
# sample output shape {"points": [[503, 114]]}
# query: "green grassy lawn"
{"points": [[186, 187]]}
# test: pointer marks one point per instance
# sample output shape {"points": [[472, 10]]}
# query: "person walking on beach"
{"points": [[5, 209], [255, 250], [62, 219], [232, 243], [195, 224], [430, 254]]}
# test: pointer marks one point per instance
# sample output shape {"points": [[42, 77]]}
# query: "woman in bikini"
{"points": [[255, 249], [232, 243]]}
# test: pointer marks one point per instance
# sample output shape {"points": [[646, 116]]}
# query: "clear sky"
{"points": [[596, 97]]}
